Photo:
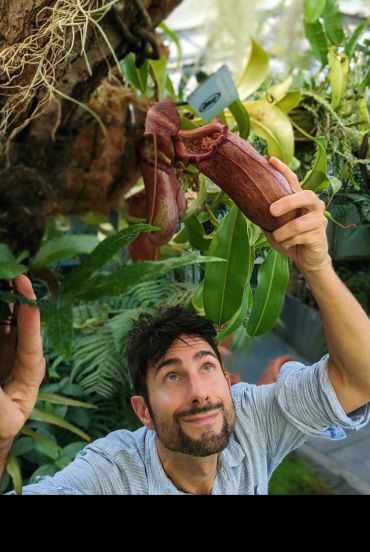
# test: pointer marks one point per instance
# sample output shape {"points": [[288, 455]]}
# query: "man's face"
{"points": [[190, 400]]}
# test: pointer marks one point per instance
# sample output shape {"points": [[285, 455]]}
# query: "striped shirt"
{"points": [[271, 421]]}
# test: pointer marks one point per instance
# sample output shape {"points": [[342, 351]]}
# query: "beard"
{"points": [[174, 438]]}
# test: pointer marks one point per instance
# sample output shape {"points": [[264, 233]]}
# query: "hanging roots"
{"points": [[28, 69]]}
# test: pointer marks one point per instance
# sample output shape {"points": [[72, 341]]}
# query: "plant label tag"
{"points": [[214, 94]]}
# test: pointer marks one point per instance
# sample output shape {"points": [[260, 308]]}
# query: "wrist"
{"points": [[315, 269]]}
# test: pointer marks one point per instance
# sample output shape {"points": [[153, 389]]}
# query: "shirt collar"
{"points": [[159, 483]]}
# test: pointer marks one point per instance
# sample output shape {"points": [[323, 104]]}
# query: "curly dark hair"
{"points": [[152, 336]]}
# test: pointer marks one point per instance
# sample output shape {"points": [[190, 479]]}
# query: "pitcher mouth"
{"points": [[200, 143]]}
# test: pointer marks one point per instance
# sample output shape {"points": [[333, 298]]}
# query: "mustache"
{"points": [[194, 410]]}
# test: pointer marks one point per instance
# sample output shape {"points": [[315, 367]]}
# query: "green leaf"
{"points": [[40, 438], [22, 445], [140, 271], [50, 418], [6, 254], [224, 283], [317, 38], [268, 299], [173, 36], [102, 254], [238, 317], [274, 126], [52, 398], [338, 71], [49, 451], [170, 89], [241, 117], [158, 69], [279, 90], [356, 35], [333, 22], [11, 269], [290, 101], [137, 77], [69, 453], [313, 9], [58, 324], [195, 233], [200, 199], [14, 470], [197, 300], [254, 72], [10, 297], [317, 178], [65, 246]]}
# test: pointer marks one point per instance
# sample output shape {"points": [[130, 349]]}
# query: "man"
{"points": [[198, 435]]}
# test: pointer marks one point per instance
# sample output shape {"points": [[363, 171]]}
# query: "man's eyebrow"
{"points": [[178, 361]]}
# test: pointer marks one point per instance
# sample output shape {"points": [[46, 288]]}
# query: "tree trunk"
{"points": [[54, 156]]}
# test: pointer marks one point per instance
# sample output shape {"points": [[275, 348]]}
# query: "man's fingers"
{"points": [[306, 223], [305, 199], [30, 365], [307, 238], [289, 175]]}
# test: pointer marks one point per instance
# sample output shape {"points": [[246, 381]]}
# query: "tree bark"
{"points": [[61, 162]]}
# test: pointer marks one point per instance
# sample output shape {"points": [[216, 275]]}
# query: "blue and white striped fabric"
{"points": [[272, 420]]}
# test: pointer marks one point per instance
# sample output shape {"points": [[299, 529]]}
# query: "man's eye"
{"points": [[171, 377], [208, 368]]}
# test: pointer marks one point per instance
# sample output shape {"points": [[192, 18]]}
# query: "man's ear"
{"points": [[228, 379], [141, 410]]}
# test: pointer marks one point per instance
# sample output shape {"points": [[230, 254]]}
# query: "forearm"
{"points": [[5, 449], [347, 330]]}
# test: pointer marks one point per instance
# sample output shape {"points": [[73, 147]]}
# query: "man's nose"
{"points": [[197, 390]]}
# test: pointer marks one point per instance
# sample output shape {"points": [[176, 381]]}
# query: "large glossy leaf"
{"points": [[238, 317], [140, 271], [268, 299], [317, 38], [254, 72], [57, 313], [65, 246], [195, 233], [313, 9], [333, 22], [50, 418], [224, 283], [317, 178], [14, 470], [138, 77], [103, 253], [272, 125]]}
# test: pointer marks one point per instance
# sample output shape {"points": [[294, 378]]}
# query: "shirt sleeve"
{"points": [[307, 399], [301, 404], [92, 472]]}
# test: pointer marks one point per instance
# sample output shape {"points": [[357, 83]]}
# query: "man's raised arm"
{"points": [[22, 368], [346, 325]]}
